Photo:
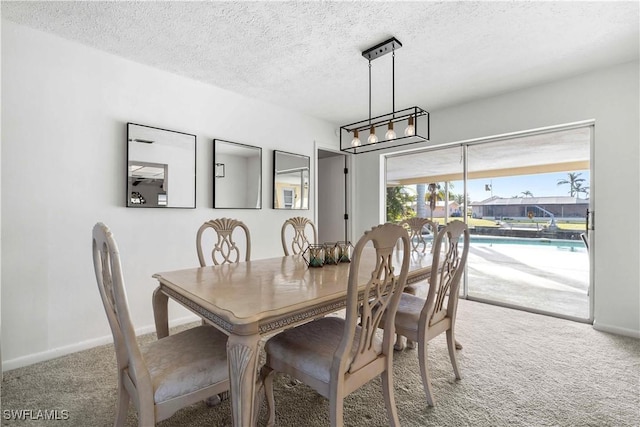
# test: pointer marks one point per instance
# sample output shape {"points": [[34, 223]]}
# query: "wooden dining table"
{"points": [[248, 300]]}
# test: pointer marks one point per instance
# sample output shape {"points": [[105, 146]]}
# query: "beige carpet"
{"points": [[519, 369]]}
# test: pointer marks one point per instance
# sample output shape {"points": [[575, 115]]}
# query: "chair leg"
{"points": [[336, 410], [123, 405], [267, 375], [389, 397], [146, 417], [424, 371], [452, 345]]}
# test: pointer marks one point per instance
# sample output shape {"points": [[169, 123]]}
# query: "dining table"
{"points": [[253, 299]]}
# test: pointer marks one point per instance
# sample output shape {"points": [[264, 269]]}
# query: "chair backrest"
{"points": [[108, 270], [225, 249], [449, 260], [383, 289], [300, 239], [416, 226]]}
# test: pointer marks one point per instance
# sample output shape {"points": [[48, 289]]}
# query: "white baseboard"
{"points": [[616, 330], [30, 359]]}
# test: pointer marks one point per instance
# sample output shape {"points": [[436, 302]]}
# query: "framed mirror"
{"points": [[290, 181], [237, 175], [161, 168]]}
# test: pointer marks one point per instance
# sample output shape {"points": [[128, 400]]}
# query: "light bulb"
{"points": [[410, 129], [372, 136], [355, 142], [391, 134]]}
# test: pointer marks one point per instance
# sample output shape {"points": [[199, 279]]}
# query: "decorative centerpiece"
{"points": [[330, 253], [344, 251], [313, 255]]}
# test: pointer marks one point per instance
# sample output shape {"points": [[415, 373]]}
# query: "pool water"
{"points": [[531, 242], [499, 240]]}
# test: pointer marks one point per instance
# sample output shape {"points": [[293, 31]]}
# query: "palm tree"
{"points": [[461, 200], [581, 189], [574, 181], [527, 193], [434, 194]]}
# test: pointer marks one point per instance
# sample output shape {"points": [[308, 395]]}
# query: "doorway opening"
{"points": [[332, 203], [526, 199]]}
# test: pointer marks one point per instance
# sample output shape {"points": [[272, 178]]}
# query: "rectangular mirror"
{"points": [[161, 168], [290, 181], [237, 175]]}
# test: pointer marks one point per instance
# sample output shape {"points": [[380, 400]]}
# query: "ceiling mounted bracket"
{"points": [[381, 49]]}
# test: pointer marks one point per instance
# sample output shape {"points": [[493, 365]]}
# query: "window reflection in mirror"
{"points": [[290, 181], [237, 175], [161, 168]]}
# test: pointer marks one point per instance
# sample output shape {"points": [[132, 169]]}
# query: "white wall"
{"points": [[611, 97], [64, 115]]}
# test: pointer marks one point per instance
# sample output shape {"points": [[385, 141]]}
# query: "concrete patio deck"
{"points": [[548, 278]]}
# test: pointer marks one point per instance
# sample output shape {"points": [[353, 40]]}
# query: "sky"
{"points": [[540, 185]]}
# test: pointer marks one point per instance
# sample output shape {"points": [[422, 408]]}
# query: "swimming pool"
{"points": [[560, 243], [501, 240]]}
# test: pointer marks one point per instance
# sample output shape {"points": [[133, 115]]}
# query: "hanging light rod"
{"points": [[381, 49], [415, 130]]}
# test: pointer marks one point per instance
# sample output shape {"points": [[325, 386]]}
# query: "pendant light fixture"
{"points": [[355, 142], [391, 134], [413, 122]]}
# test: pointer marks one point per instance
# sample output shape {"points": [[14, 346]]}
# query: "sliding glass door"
{"points": [[531, 198], [525, 199]]}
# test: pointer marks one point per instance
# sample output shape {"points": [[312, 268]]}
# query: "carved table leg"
{"points": [[401, 342], [242, 357], [160, 313]]}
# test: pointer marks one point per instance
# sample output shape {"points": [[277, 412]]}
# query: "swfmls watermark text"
{"points": [[35, 414]]}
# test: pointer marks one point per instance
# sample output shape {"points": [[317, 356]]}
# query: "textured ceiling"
{"points": [[307, 55]]}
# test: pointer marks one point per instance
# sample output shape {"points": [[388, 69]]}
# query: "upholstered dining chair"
{"points": [[299, 237], [335, 356], [225, 248], [421, 320], [416, 227], [169, 373]]}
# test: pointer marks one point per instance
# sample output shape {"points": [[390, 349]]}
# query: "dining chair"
{"points": [[299, 237], [334, 355], [225, 248], [421, 320], [168, 374], [416, 227]]}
